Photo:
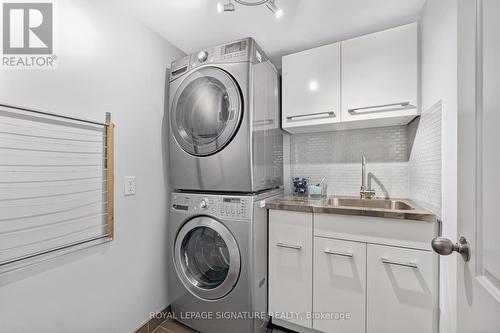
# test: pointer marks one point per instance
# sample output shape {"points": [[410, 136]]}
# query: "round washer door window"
{"points": [[206, 111], [207, 258]]}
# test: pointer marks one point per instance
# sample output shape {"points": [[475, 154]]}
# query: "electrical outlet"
{"points": [[129, 185]]}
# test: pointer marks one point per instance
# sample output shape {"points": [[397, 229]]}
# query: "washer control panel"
{"points": [[234, 207], [224, 207]]}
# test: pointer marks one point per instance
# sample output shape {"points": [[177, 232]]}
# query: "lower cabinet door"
{"points": [[402, 289], [339, 287], [290, 266]]}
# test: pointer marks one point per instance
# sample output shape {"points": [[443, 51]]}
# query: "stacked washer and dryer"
{"points": [[226, 160]]}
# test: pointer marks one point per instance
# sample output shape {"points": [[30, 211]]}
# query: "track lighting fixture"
{"points": [[270, 4]]}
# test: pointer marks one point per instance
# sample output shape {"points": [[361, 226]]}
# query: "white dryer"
{"points": [[224, 120]]}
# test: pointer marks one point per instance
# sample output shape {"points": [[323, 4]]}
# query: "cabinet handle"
{"points": [[398, 263], [289, 246], [342, 254], [264, 121], [373, 109], [318, 115]]}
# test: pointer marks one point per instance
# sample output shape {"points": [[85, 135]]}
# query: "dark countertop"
{"points": [[333, 205]]}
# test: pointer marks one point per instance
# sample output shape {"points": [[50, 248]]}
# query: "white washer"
{"points": [[225, 130], [218, 261]]}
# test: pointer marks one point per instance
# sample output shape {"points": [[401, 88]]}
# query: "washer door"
{"points": [[207, 258], [206, 111]]}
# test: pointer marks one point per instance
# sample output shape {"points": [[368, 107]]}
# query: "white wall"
{"points": [[106, 63], [439, 83]]}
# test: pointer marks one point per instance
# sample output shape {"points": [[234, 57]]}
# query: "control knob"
{"points": [[204, 203]]}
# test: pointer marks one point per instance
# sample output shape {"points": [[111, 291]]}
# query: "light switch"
{"points": [[129, 185]]}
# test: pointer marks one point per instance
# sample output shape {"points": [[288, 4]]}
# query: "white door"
{"points": [[478, 295]]}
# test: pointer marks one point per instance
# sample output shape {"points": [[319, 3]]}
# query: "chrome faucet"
{"points": [[365, 192]]}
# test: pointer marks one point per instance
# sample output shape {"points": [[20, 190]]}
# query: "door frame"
{"points": [[477, 301]]}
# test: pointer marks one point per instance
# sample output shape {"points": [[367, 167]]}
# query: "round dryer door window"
{"points": [[207, 258], [206, 111]]}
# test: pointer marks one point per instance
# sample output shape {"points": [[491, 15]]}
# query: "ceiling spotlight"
{"points": [[278, 12], [227, 7]]}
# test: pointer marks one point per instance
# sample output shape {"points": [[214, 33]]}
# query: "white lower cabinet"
{"points": [[290, 266], [328, 274], [402, 287], [339, 286]]}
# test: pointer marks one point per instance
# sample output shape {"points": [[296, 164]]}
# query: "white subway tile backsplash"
{"points": [[403, 161], [387, 179], [337, 156], [425, 160], [384, 144]]}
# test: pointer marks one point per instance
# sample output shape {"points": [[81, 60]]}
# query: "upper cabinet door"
{"points": [[380, 75], [311, 87]]}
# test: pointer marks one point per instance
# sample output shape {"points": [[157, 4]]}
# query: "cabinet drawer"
{"points": [[290, 265], [339, 285], [378, 230], [401, 290]]}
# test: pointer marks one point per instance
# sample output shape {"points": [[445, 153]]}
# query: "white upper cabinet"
{"points": [[368, 81], [311, 89], [380, 76]]}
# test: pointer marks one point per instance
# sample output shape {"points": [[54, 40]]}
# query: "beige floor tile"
{"points": [[160, 329], [175, 327]]}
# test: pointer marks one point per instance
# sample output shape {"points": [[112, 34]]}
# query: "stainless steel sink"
{"points": [[368, 203]]}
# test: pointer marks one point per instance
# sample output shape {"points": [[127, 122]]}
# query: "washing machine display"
{"points": [[207, 258], [206, 111]]}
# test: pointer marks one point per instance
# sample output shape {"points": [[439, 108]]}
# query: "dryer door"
{"points": [[207, 258], [206, 111]]}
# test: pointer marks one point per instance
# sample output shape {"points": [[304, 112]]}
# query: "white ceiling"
{"points": [[192, 25]]}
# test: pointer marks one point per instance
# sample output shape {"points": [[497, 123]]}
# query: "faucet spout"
{"points": [[364, 177], [365, 192]]}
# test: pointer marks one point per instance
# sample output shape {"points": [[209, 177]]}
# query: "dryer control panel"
{"points": [[221, 206]]}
